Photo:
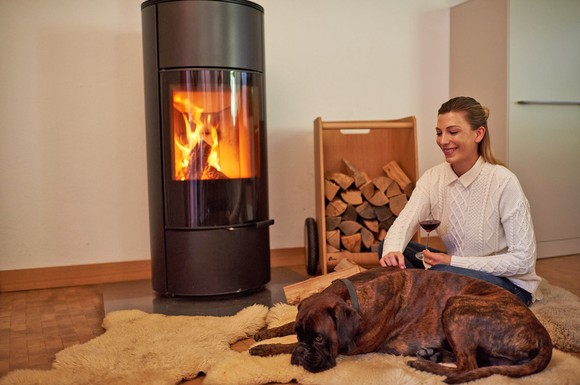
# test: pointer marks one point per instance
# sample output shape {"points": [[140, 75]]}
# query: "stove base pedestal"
{"points": [[215, 262]]}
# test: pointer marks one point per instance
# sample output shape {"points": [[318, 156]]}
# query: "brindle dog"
{"points": [[437, 316]]}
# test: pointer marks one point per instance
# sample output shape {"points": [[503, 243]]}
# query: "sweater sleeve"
{"points": [[407, 223], [519, 257]]}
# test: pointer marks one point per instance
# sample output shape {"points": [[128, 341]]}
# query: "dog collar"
{"points": [[351, 292]]}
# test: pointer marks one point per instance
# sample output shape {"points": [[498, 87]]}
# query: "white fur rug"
{"points": [[141, 348]]}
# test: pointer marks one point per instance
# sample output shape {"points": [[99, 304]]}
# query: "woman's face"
{"points": [[458, 141]]}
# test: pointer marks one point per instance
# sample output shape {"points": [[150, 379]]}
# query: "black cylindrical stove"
{"points": [[206, 146]]}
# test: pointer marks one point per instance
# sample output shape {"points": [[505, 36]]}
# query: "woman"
{"points": [[486, 224]]}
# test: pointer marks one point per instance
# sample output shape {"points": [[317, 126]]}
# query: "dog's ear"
{"points": [[347, 322]]}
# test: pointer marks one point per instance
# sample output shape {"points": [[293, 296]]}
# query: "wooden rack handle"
{"points": [[364, 125]]}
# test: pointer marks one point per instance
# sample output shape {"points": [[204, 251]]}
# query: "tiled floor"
{"points": [[36, 324], [139, 295]]}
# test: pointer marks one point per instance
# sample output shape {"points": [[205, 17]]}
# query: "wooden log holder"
{"points": [[365, 171]]}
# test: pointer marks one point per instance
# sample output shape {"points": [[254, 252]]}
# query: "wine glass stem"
{"points": [[427, 244]]}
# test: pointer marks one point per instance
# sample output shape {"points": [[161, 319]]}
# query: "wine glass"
{"points": [[428, 225]]}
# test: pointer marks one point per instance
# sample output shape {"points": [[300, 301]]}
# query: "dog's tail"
{"points": [[535, 365]]}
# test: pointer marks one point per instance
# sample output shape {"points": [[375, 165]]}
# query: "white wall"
{"points": [[72, 141]]}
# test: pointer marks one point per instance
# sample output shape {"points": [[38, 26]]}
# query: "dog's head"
{"points": [[325, 326]]}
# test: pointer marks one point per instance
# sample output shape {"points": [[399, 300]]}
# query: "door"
{"points": [[544, 138]]}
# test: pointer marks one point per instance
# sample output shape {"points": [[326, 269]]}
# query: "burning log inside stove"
{"points": [[360, 210], [196, 140], [199, 166]]}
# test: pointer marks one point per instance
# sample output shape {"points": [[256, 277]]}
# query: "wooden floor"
{"points": [[36, 324]]}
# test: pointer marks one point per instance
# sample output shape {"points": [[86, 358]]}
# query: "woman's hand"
{"points": [[432, 258], [393, 258]]}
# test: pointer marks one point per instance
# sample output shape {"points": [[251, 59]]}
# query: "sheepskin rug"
{"points": [[141, 348]]}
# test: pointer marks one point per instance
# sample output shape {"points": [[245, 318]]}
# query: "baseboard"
{"points": [[94, 274], [77, 275], [558, 248], [287, 257]]}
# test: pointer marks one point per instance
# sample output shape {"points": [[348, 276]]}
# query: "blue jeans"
{"points": [[413, 263]]}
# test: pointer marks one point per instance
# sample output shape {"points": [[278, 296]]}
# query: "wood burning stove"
{"points": [[206, 146]]}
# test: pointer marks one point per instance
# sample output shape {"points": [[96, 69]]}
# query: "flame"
{"points": [[214, 156], [199, 135]]}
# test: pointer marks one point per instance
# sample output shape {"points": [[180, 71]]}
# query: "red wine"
{"points": [[430, 225]]}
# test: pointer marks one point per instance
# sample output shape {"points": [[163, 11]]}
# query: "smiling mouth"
{"points": [[448, 151]]}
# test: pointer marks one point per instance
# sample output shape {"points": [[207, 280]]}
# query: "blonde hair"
{"points": [[476, 115]]}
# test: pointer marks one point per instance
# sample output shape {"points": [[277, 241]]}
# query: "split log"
{"points": [[351, 196], [198, 160], [343, 180], [383, 213], [394, 171], [362, 179], [382, 234], [330, 189], [372, 225], [385, 216], [397, 203], [367, 237], [368, 190], [332, 223], [379, 199], [359, 177], [382, 183], [386, 224], [299, 291], [352, 242], [349, 214], [333, 238], [366, 211], [212, 173], [393, 190], [349, 227], [335, 208]]}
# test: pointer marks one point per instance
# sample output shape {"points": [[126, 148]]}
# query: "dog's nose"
{"points": [[298, 356]]}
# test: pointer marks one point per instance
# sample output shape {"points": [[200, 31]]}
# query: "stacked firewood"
{"points": [[360, 210]]}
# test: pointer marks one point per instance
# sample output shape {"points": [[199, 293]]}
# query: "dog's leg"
{"points": [[459, 332], [280, 331], [432, 367], [266, 350]]}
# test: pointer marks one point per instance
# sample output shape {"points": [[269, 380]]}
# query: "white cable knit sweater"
{"points": [[485, 221]]}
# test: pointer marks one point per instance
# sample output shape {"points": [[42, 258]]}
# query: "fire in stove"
{"points": [[196, 144], [212, 138]]}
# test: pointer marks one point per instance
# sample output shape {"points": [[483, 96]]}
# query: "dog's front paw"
{"points": [[260, 350]]}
